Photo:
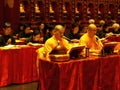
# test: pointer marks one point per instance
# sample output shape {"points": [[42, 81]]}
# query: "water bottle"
{"points": [[87, 52]]}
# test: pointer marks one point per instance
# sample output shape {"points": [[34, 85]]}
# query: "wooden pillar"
{"points": [[11, 12], [1, 15]]}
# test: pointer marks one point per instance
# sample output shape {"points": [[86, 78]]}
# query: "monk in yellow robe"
{"points": [[90, 40], [53, 42]]}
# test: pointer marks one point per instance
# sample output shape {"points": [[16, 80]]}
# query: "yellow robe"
{"points": [[50, 44], [91, 43]]}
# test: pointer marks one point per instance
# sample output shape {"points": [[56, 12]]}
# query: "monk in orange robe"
{"points": [[53, 42], [90, 40]]}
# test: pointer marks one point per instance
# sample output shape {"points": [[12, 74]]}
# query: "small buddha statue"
{"points": [[22, 8], [76, 10], [119, 11], [51, 9], [64, 9], [88, 11], [37, 10], [109, 12], [99, 12]]}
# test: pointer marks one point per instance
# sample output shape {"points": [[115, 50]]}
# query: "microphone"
{"points": [[97, 39], [66, 38]]}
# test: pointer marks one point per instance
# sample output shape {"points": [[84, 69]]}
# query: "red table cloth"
{"points": [[115, 38], [108, 73], [18, 65], [99, 73]]}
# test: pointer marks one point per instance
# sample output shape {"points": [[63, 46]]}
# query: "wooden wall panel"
{"points": [[67, 10], [100, 9], [9, 12], [1, 15]]}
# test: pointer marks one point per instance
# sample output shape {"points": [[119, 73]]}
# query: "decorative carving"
{"points": [[67, 10]]}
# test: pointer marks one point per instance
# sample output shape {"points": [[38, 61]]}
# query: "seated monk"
{"points": [[52, 44], [90, 40]]}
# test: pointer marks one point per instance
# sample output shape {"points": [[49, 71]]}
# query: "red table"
{"points": [[98, 73], [115, 38], [108, 73], [18, 65]]}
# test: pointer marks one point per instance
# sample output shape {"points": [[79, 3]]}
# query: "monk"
{"points": [[90, 40], [53, 42]]}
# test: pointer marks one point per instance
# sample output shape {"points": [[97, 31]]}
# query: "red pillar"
{"points": [[1, 15], [11, 12]]}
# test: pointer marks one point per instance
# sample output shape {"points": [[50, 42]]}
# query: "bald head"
{"points": [[92, 27], [102, 22], [59, 31], [58, 28]]}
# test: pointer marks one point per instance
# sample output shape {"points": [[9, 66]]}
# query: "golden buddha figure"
{"points": [[37, 10], [109, 12], [88, 11], [64, 9], [118, 11], [51, 9], [22, 8], [76, 10], [99, 12]]}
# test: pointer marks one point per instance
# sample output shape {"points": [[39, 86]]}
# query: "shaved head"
{"points": [[58, 27], [92, 27], [58, 31]]}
